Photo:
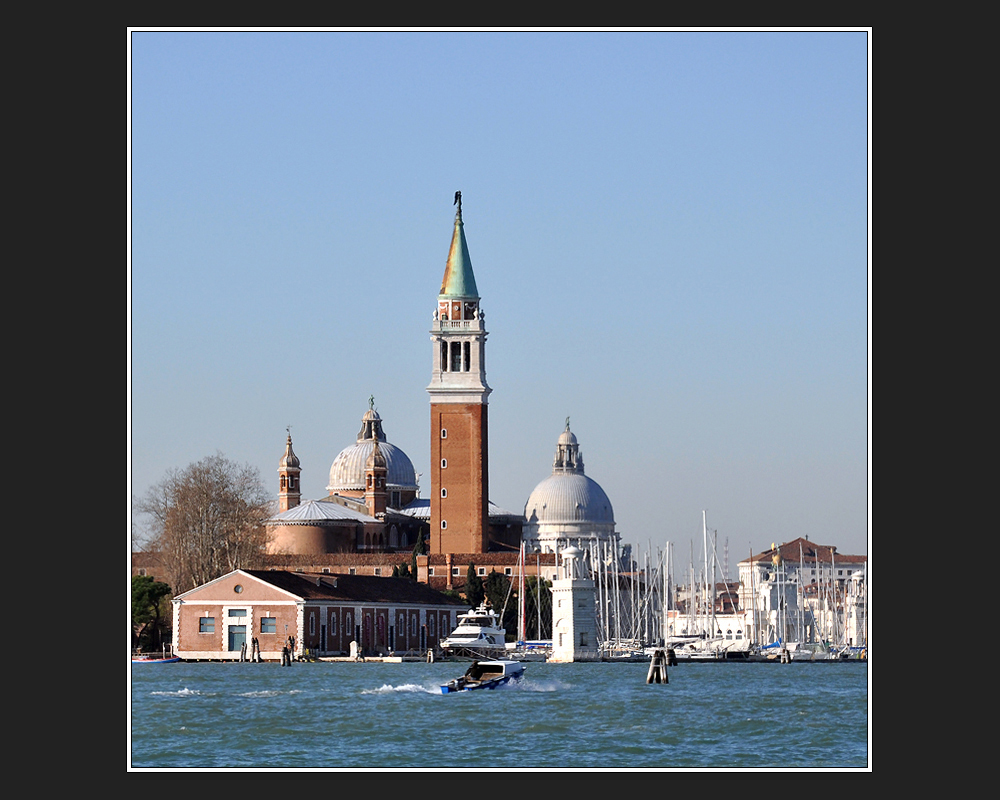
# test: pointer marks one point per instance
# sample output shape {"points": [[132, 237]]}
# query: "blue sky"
{"points": [[669, 232]]}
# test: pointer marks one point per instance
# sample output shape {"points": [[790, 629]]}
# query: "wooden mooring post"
{"points": [[658, 667]]}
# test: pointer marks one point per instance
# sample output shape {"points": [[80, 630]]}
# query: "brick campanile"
{"points": [[459, 395], [289, 492]]}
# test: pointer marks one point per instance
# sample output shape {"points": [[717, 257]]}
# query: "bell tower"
{"points": [[375, 482], [459, 395], [289, 492]]}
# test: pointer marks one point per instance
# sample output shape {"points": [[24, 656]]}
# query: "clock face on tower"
{"points": [[456, 310]]}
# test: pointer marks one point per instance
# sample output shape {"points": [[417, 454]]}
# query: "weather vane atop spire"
{"points": [[458, 202]]}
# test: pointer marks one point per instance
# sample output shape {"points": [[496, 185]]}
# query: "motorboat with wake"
{"points": [[478, 634], [485, 675]]}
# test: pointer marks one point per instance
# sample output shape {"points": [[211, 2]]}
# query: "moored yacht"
{"points": [[478, 633]]}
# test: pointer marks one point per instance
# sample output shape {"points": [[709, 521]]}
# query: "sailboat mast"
{"points": [[538, 591], [521, 622], [715, 564], [704, 537]]}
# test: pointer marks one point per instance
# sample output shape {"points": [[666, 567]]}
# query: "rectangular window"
{"points": [[237, 612], [378, 571], [454, 572], [206, 625], [268, 625]]}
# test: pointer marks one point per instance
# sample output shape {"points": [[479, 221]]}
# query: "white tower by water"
{"points": [[574, 624]]}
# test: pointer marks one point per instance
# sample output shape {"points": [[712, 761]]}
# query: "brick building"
{"points": [[322, 614]]}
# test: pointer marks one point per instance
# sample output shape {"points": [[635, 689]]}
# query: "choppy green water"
{"points": [[562, 716]]}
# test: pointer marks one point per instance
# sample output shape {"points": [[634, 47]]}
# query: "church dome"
{"points": [[568, 495], [347, 474], [567, 437]]}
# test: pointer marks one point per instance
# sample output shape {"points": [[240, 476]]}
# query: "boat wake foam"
{"points": [[185, 692], [411, 688]]}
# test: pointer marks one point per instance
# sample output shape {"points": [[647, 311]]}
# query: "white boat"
{"points": [[704, 649], [485, 675], [531, 650], [478, 633]]}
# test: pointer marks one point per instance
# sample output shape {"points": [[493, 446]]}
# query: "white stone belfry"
{"points": [[574, 624]]}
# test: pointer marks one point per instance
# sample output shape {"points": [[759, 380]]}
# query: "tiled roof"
{"points": [[421, 509], [357, 588], [319, 511], [808, 551]]}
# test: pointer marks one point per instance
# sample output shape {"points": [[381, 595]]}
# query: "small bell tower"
{"points": [[289, 491], [376, 492]]}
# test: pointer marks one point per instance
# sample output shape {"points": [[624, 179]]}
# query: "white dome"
{"points": [[568, 508], [348, 470], [568, 497]]}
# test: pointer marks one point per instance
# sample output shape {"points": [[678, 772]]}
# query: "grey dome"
{"points": [[348, 470], [568, 497]]}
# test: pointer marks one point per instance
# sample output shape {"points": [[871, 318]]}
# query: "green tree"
{"points": [[537, 603], [149, 612], [474, 594], [207, 520], [497, 587]]}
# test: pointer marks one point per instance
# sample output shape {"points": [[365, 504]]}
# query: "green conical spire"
{"points": [[458, 278]]}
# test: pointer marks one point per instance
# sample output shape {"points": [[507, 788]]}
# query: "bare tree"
{"points": [[207, 520]]}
